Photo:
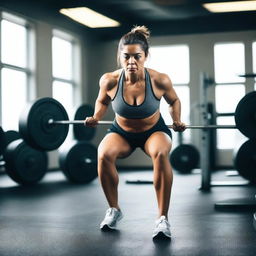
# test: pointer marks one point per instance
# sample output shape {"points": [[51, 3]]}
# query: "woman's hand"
{"points": [[90, 121], [179, 126]]}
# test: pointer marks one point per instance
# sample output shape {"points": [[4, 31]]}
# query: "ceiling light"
{"points": [[237, 6], [89, 17]]}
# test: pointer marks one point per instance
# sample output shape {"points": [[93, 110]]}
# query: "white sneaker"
{"points": [[162, 228], [111, 218]]}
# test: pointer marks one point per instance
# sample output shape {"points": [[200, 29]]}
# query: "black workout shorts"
{"points": [[138, 139]]}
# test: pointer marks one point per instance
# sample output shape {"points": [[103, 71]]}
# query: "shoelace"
{"points": [[163, 221], [110, 211]]}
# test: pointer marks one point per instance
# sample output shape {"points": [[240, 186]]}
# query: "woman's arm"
{"points": [[102, 101], [174, 102]]}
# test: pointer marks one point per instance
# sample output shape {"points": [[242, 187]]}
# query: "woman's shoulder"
{"points": [[160, 79], [110, 79]]}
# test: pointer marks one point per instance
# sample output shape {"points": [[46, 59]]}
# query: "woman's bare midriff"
{"points": [[138, 125]]}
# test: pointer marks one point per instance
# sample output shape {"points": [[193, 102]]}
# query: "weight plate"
{"points": [[245, 160], [24, 164], [2, 141], [82, 132], [185, 158], [11, 136], [78, 161], [35, 129], [245, 115]]}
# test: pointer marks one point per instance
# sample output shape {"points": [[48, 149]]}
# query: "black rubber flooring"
{"points": [[57, 218]]}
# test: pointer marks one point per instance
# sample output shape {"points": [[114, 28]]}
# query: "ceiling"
{"points": [[163, 17]]}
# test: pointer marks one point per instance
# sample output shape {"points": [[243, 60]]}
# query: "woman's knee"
{"points": [[106, 156], [160, 154]]}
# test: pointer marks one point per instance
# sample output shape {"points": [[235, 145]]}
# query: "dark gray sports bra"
{"points": [[148, 107]]}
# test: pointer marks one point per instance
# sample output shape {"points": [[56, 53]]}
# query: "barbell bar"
{"points": [[60, 122], [51, 121], [44, 122]]}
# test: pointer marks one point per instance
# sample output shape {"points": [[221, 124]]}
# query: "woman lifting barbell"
{"points": [[135, 93]]}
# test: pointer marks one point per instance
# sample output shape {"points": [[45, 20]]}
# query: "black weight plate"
{"points": [[245, 115], [24, 164], [11, 136], [185, 158], [245, 160], [2, 141], [82, 132], [35, 129], [78, 161]]}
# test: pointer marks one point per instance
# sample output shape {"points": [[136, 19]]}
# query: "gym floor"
{"points": [[58, 218]]}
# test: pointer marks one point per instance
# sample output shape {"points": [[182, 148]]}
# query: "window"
{"points": [[14, 96], [234, 92], [15, 68], [63, 48], [229, 62], [11, 52], [63, 92], [173, 60], [232, 137]]}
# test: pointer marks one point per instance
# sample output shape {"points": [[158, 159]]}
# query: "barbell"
{"points": [[44, 122], [51, 121]]}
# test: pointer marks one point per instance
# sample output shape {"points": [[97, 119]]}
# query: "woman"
{"points": [[135, 94]]}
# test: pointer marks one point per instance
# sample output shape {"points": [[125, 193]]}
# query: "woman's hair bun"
{"points": [[142, 30]]}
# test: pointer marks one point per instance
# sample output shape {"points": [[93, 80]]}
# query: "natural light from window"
{"points": [[13, 44], [173, 60], [229, 62], [63, 92], [14, 95], [227, 97], [14, 72], [62, 71], [61, 58]]}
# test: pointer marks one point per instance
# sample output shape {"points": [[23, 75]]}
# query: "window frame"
{"points": [[242, 83], [29, 70], [76, 56]]}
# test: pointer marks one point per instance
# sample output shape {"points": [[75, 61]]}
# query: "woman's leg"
{"points": [[158, 147], [113, 146]]}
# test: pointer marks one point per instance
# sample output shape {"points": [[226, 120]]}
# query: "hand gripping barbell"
{"points": [[44, 122]]}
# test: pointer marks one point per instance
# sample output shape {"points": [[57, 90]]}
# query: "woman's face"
{"points": [[132, 58]]}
